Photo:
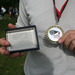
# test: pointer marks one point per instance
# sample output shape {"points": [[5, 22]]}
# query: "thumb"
{"points": [[11, 25], [61, 40]]}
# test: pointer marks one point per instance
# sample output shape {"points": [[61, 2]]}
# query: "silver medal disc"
{"points": [[54, 33]]}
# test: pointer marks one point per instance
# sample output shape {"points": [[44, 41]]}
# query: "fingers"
{"points": [[16, 55], [3, 51], [11, 25], [72, 45], [3, 42], [69, 39], [22, 53], [3, 38], [62, 39]]}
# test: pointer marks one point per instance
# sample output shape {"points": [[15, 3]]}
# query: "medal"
{"points": [[53, 33]]}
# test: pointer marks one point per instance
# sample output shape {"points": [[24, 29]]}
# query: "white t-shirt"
{"points": [[3, 9], [56, 59]]}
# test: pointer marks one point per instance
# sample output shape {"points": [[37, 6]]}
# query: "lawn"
{"points": [[10, 66]]}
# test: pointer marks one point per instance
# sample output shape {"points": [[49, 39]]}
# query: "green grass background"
{"points": [[10, 66]]}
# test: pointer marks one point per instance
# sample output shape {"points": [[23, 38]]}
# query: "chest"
{"points": [[42, 14], [59, 3]]}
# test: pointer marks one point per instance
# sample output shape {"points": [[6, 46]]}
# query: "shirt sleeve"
{"points": [[22, 18]]}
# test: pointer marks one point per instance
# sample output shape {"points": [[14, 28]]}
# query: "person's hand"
{"points": [[69, 39], [4, 43]]}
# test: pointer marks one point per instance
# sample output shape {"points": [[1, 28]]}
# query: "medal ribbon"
{"points": [[62, 9]]}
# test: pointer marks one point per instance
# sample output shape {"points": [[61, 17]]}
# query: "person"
{"points": [[12, 12], [3, 11], [0, 14], [16, 12], [56, 59], [9, 12]]}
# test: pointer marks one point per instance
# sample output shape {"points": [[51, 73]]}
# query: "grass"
{"points": [[10, 66]]}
